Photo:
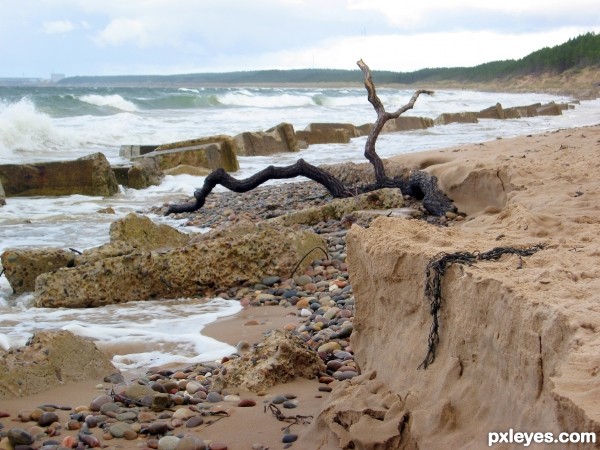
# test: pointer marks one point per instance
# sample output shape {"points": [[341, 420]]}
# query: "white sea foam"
{"points": [[247, 98], [26, 133], [136, 334], [113, 101]]}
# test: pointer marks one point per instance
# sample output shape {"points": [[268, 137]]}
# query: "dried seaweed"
{"points": [[434, 273], [297, 419]]}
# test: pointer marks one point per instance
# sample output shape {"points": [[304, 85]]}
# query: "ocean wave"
{"points": [[112, 100], [249, 99], [24, 129]]}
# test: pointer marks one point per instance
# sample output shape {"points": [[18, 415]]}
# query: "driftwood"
{"points": [[420, 185]]}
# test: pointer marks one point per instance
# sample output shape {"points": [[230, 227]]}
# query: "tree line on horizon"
{"points": [[579, 52]]}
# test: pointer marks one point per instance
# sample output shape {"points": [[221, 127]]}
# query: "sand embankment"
{"points": [[518, 337]]}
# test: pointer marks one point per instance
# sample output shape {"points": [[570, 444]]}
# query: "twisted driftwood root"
{"points": [[420, 185]]}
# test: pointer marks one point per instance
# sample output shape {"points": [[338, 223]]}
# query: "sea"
{"points": [[53, 123]]}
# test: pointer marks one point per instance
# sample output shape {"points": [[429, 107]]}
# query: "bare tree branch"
{"points": [[382, 118], [420, 184]]}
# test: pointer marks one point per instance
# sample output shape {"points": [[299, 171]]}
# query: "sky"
{"points": [[160, 37]]}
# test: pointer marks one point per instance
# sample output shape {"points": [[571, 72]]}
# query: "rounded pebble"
{"points": [[214, 397], [47, 419], [168, 443], [287, 438], [245, 403], [18, 436], [193, 422]]}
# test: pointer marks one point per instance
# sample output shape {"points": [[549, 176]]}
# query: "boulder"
{"points": [[108, 250], [328, 133], [134, 233], [211, 152], [462, 117], [90, 175], [328, 126], [518, 112], [278, 139], [143, 173], [184, 169], [279, 358], [550, 109], [493, 112], [23, 265], [334, 136], [195, 269], [364, 129], [50, 359], [406, 123], [143, 234], [131, 151]]}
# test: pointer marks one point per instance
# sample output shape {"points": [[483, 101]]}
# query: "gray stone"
{"points": [[462, 117], [118, 429], [214, 397], [90, 175], [18, 436], [278, 139], [211, 152]]}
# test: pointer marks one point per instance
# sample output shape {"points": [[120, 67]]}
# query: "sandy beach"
{"points": [[553, 198]]}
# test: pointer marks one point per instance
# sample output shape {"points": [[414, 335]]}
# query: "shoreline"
{"points": [[246, 426]]}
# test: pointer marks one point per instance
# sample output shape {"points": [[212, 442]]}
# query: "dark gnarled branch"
{"points": [[420, 184], [300, 168], [382, 118]]}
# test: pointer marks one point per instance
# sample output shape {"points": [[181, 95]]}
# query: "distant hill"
{"points": [[575, 54]]}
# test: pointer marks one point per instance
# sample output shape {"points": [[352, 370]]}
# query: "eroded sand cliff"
{"points": [[518, 337]]}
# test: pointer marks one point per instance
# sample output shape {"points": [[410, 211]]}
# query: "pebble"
{"points": [[190, 443], [168, 443], [47, 418], [183, 413], [214, 397], [18, 436], [130, 435], [158, 428], [278, 399], [193, 422], [245, 403], [125, 416], [118, 429], [287, 438], [218, 446], [97, 403]]}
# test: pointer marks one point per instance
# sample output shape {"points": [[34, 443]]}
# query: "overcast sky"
{"points": [[114, 37]]}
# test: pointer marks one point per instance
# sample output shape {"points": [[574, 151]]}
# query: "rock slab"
{"points": [[90, 175], [194, 269], [49, 359]]}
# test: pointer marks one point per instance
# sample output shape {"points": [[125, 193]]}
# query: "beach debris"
{"points": [[419, 184]]}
